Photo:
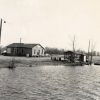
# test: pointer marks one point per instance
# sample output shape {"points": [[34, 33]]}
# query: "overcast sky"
{"points": [[51, 23]]}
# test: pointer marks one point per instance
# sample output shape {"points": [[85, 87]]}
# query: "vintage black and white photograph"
{"points": [[49, 49]]}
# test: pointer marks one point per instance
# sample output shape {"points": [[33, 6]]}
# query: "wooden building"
{"points": [[71, 56], [21, 49]]}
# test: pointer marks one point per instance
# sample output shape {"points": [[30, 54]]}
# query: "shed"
{"points": [[71, 56]]}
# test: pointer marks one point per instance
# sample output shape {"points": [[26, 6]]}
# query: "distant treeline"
{"points": [[94, 53], [50, 51]]}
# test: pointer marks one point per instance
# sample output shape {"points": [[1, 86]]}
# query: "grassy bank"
{"points": [[32, 61], [27, 61]]}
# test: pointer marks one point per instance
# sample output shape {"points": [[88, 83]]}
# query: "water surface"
{"points": [[50, 83]]}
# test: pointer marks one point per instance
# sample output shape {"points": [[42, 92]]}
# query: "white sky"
{"points": [[51, 23]]}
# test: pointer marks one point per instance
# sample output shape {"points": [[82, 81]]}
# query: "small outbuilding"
{"points": [[71, 56], [22, 49]]}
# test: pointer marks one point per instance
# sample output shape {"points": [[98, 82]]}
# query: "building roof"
{"points": [[22, 45], [79, 53]]}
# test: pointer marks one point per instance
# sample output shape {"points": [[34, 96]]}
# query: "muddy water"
{"points": [[50, 83]]}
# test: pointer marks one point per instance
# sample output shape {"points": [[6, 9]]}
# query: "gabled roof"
{"points": [[20, 45], [30, 45], [16, 45]]}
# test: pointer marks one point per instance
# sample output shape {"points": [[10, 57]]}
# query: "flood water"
{"points": [[50, 83]]}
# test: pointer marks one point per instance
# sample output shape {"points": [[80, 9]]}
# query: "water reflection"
{"points": [[50, 83]]}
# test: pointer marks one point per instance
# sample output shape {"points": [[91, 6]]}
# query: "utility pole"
{"points": [[0, 29], [88, 50], [1, 21], [73, 49], [20, 40], [92, 50], [74, 44]]}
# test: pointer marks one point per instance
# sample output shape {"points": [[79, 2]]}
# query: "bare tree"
{"points": [[90, 52], [74, 40], [88, 55], [74, 47]]}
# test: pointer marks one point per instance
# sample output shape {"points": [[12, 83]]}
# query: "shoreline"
{"points": [[5, 61]]}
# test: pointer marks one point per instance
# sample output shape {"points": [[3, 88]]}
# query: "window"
{"points": [[22, 51], [39, 51], [42, 51]]}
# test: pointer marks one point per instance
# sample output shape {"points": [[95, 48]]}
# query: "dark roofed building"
{"points": [[74, 56], [21, 49]]}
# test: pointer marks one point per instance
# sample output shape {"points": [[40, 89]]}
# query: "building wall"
{"points": [[37, 51], [28, 51], [19, 51], [85, 58], [9, 50]]}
